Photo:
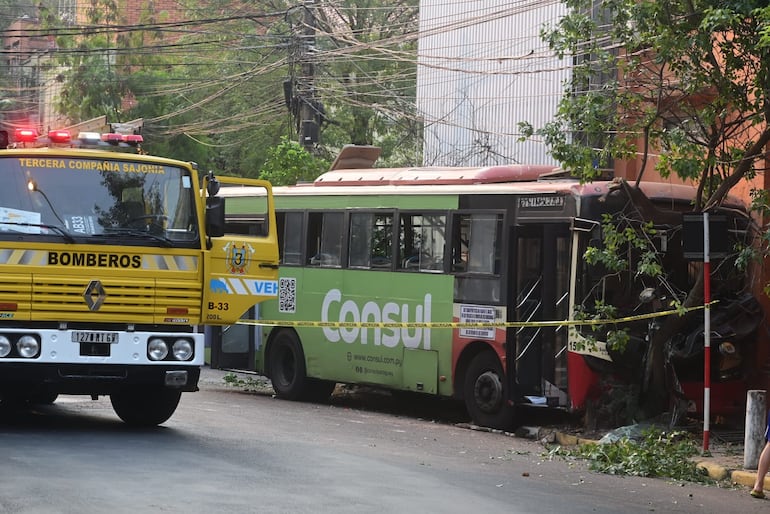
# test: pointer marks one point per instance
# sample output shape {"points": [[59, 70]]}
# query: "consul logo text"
{"points": [[335, 309]]}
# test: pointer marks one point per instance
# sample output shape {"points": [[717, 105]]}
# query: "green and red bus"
{"points": [[421, 279]]}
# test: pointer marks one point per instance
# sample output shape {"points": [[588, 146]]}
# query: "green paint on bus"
{"points": [[363, 354]]}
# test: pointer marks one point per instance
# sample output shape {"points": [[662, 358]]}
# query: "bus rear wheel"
{"points": [[289, 375], [485, 393], [145, 408]]}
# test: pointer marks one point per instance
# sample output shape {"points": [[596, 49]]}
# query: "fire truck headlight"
{"points": [[28, 347], [182, 349], [157, 349], [5, 346]]}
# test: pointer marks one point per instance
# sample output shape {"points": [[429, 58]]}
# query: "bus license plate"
{"points": [[94, 337]]}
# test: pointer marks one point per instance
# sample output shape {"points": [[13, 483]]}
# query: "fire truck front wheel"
{"points": [[145, 408]]}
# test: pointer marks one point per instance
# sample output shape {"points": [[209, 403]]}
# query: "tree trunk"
{"points": [[659, 389]]}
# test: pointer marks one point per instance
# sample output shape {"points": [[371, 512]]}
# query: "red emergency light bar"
{"points": [[112, 138], [132, 139], [25, 135], [60, 136], [30, 135], [84, 140]]}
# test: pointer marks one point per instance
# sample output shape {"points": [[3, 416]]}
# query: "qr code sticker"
{"points": [[287, 295]]}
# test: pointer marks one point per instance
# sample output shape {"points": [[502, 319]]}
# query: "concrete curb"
{"points": [[571, 440], [746, 478], [736, 476], [715, 471]]}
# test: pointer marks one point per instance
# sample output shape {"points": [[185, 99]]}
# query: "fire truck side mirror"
{"points": [[215, 216], [4, 139], [213, 184]]}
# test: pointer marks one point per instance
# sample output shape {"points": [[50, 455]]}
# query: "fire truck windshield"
{"points": [[96, 198]]}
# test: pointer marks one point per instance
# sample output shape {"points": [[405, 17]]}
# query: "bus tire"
{"points": [[287, 367], [318, 390], [485, 394], [145, 408]]}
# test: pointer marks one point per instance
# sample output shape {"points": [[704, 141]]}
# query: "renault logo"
{"points": [[94, 295]]}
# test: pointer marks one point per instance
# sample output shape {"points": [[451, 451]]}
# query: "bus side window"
{"points": [[484, 247], [369, 240], [409, 243], [290, 237], [422, 242], [314, 220], [476, 243], [324, 242], [360, 239], [382, 241], [460, 239]]}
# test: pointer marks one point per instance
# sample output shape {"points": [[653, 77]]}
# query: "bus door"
{"points": [[234, 346], [538, 291]]}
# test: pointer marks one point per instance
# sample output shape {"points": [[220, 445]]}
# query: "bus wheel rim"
{"points": [[488, 392]]}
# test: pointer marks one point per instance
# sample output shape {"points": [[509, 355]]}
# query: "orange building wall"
{"points": [[132, 10]]}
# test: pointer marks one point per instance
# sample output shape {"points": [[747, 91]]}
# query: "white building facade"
{"points": [[483, 68]]}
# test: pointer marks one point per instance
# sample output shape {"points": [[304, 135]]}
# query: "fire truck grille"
{"points": [[78, 299]]}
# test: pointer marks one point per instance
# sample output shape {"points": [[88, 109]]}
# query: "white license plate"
{"points": [[94, 337]]}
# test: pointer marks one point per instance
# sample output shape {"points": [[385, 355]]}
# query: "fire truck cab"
{"points": [[110, 263]]}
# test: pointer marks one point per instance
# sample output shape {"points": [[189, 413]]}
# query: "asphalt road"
{"points": [[229, 451]]}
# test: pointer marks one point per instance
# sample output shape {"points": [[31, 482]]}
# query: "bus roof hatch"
{"points": [[356, 157]]}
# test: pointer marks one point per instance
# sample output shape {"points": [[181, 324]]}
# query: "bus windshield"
{"points": [[94, 198]]}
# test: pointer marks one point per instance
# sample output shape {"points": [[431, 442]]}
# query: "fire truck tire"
{"points": [[485, 394], [43, 398], [288, 373], [13, 401], [23, 400], [145, 408]]}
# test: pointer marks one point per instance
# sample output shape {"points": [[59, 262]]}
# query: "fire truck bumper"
{"points": [[96, 379]]}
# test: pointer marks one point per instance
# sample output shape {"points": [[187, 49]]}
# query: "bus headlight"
{"points": [[5, 346], [157, 349], [182, 349], [28, 347]]}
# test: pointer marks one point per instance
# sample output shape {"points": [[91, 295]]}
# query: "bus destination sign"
{"points": [[539, 203]]}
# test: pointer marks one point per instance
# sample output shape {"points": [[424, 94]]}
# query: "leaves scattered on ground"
{"points": [[658, 454], [248, 384]]}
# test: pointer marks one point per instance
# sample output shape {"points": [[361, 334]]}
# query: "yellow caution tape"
{"points": [[465, 324]]}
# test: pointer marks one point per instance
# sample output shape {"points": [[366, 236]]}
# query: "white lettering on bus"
{"points": [[372, 313]]}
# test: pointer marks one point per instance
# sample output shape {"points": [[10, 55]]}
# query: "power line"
{"points": [[333, 48]]}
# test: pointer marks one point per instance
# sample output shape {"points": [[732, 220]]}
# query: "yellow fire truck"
{"points": [[110, 263]]}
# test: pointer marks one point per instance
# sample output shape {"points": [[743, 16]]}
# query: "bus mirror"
{"points": [[215, 216]]}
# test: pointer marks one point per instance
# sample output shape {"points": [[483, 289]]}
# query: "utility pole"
{"points": [[308, 115]]}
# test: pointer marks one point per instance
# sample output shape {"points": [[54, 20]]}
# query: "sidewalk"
{"points": [[724, 462]]}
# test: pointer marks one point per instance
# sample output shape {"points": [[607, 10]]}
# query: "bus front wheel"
{"points": [[289, 375], [485, 394]]}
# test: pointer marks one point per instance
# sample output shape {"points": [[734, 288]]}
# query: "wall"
{"points": [[482, 68]]}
